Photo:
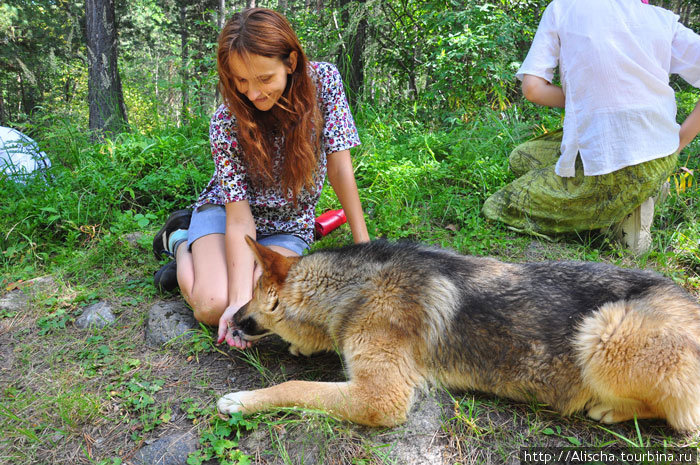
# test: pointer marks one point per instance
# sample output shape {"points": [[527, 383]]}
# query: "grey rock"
{"points": [[168, 450], [96, 315], [7, 352], [418, 441], [13, 302], [302, 444], [18, 299], [168, 321], [40, 285], [133, 239]]}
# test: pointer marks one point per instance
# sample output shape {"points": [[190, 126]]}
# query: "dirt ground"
{"points": [[103, 396]]}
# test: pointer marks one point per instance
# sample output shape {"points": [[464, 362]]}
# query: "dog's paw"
{"points": [[233, 402], [603, 413], [297, 350]]}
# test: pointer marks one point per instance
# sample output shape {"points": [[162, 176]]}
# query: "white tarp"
{"points": [[20, 155]]}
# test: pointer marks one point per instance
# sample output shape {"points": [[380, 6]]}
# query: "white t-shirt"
{"points": [[614, 59]]}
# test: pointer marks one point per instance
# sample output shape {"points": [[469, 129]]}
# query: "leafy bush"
{"points": [[446, 55], [90, 189]]}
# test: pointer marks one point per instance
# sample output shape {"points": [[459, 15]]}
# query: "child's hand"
{"points": [[228, 331]]}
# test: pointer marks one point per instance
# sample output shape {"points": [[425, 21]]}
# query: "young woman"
{"points": [[620, 137], [284, 125]]}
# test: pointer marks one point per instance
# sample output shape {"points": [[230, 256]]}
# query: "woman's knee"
{"points": [[208, 306]]}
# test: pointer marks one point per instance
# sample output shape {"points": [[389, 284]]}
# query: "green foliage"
{"points": [[445, 54], [195, 342], [67, 407], [220, 439], [53, 321], [557, 431], [419, 179], [99, 193], [430, 185], [40, 57], [111, 461], [476, 53], [442, 54], [135, 396], [96, 355]]}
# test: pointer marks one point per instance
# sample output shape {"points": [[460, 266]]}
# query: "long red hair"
{"points": [[259, 31]]}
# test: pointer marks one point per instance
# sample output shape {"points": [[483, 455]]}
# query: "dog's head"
{"points": [[263, 313]]}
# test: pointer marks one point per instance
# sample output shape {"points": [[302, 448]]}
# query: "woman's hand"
{"points": [[227, 327]]}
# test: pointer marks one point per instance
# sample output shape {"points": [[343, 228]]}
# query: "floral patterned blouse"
{"points": [[274, 212]]}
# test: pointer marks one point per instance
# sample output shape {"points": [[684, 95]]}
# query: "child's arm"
{"points": [[690, 127], [342, 179], [542, 92], [241, 267]]}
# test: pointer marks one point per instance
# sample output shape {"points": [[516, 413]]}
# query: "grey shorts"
{"points": [[211, 219]]}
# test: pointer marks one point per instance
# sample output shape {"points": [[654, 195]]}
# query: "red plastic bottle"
{"points": [[328, 221]]}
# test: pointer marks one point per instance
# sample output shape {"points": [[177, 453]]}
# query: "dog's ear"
{"points": [[273, 264]]}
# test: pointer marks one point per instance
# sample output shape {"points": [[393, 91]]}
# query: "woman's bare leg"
{"points": [[203, 277]]}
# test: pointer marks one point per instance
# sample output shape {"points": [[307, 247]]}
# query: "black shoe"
{"points": [[179, 219], [165, 279]]}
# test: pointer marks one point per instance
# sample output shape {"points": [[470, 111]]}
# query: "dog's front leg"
{"points": [[348, 401]]}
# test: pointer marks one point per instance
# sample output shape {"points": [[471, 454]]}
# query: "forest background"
{"points": [[432, 89]]}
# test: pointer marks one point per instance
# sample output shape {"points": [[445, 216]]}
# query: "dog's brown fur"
{"points": [[618, 343]]}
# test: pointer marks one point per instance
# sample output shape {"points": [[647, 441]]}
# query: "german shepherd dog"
{"points": [[619, 343]]}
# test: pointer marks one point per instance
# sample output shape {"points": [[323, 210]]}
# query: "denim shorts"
{"points": [[211, 219]]}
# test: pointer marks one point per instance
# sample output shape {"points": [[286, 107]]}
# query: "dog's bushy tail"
{"points": [[641, 357]]}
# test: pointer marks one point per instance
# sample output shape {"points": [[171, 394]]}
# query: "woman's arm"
{"points": [[540, 91], [690, 127], [241, 266], [342, 179]]}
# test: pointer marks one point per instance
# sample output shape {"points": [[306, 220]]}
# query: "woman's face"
{"points": [[261, 79]]}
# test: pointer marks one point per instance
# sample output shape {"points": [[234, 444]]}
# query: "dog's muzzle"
{"points": [[246, 327]]}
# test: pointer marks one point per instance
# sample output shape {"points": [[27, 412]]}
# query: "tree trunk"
{"points": [[350, 54], [222, 14], [220, 23], [105, 96], [2, 111], [171, 103], [28, 91], [685, 17], [184, 55], [20, 82], [156, 86], [412, 86], [357, 63]]}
